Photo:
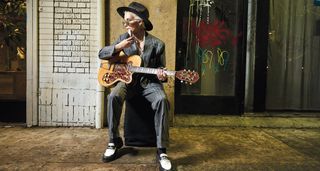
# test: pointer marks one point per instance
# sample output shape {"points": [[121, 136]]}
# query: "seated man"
{"points": [[137, 41]]}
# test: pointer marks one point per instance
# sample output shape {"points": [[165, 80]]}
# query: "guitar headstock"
{"points": [[187, 76]]}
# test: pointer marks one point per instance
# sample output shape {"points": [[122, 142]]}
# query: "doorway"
{"points": [[211, 40], [288, 56], [13, 61]]}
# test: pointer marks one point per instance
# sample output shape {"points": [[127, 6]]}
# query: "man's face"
{"points": [[131, 21]]}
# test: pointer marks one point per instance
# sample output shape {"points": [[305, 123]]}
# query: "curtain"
{"points": [[293, 74]]}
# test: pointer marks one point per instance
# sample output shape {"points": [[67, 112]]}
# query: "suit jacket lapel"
{"points": [[148, 44]]}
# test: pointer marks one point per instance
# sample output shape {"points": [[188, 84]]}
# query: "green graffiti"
{"points": [[214, 61]]}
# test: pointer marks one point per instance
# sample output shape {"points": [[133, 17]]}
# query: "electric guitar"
{"points": [[121, 68]]}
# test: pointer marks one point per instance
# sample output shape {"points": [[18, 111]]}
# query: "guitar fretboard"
{"points": [[149, 70]]}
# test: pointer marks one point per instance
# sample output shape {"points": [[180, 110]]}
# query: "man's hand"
{"points": [[162, 76], [124, 44]]}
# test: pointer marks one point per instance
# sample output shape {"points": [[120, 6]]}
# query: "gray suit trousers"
{"points": [[155, 94]]}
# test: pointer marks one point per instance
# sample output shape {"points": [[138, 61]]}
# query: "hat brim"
{"points": [[146, 21]]}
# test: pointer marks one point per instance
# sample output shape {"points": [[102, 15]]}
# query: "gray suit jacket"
{"points": [[152, 57]]}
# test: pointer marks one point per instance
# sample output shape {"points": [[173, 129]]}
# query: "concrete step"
{"points": [[248, 120]]}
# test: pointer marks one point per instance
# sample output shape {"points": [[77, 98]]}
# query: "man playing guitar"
{"points": [[137, 41]]}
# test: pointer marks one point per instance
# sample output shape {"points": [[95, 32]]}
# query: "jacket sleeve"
{"points": [[109, 51]]}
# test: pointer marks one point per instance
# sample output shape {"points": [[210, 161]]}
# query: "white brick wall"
{"points": [[72, 23], [67, 62]]}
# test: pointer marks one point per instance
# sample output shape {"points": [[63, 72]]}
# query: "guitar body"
{"points": [[121, 68], [116, 69]]}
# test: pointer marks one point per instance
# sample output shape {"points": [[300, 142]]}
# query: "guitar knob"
{"points": [[181, 81]]}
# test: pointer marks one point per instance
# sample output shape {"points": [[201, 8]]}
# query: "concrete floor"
{"points": [[194, 146]]}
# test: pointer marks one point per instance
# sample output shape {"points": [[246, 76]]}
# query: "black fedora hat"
{"points": [[140, 10]]}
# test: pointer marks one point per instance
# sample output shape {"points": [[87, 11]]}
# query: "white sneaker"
{"points": [[111, 149], [111, 152], [164, 161]]}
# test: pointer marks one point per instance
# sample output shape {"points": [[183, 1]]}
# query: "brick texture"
{"points": [[72, 23], [67, 62]]}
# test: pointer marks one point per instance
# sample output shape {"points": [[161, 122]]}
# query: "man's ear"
{"points": [[142, 24]]}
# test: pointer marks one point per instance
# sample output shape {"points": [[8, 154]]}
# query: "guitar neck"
{"points": [[149, 70]]}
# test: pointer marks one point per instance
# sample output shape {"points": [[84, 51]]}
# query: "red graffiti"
{"points": [[212, 34]]}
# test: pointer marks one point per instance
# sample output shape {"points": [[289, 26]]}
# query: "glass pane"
{"points": [[293, 81], [12, 35], [210, 36]]}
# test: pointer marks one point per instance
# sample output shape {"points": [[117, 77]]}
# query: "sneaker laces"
{"points": [[164, 161]]}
